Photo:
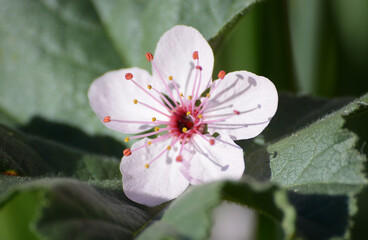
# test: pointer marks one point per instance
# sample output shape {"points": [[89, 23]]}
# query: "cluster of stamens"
{"points": [[186, 114]]}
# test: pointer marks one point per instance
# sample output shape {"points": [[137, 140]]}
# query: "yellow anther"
{"points": [[146, 165], [135, 101], [149, 86], [184, 129], [170, 78], [188, 113], [208, 95], [181, 95], [168, 148], [199, 116], [149, 143], [126, 139], [190, 97], [157, 129], [154, 119]]}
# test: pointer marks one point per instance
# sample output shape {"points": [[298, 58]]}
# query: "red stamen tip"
{"points": [[221, 74], [236, 112], [107, 119], [195, 55], [179, 158], [212, 141], [127, 152], [149, 56], [199, 67], [128, 76]]}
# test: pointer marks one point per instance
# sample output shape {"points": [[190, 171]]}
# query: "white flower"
{"points": [[173, 102]]}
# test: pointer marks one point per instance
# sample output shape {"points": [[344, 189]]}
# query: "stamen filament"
{"points": [[150, 134], [128, 121], [219, 120], [166, 149], [228, 115], [164, 98], [163, 81], [199, 85], [235, 125], [154, 109], [210, 141], [150, 95], [206, 100], [177, 91], [159, 139], [194, 85]]}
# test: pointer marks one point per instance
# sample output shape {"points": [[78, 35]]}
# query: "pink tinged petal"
{"points": [[112, 95], [174, 57], [159, 183], [253, 98], [223, 160]]}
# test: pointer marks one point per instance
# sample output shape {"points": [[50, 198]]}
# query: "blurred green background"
{"points": [[307, 47], [317, 47], [304, 46]]}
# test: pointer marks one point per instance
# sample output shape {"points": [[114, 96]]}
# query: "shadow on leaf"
{"points": [[73, 137], [28, 155], [320, 216], [257, 160], [295, 112]]}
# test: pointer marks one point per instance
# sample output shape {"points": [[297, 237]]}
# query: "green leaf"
{"points": [[190, 216], [33, 156], [50, 53], [297, 112], [293, 113], [68, 209], [322, 157], [62, 208], [319, 164], [129, 22], [305, 17], [15, 217]]}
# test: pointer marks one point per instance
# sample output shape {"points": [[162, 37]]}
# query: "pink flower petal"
{"points": [[253, 98], [112, 95], [174, 57], [159, 183], [223, 160]]}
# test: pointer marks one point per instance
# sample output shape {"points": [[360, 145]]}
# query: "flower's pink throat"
{"points": [[183, 123]]}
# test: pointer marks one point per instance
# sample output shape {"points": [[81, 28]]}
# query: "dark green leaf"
{"points": [[33, 156], [68, 209], [296, 112]]}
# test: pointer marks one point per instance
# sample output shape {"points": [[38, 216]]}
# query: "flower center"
{"points": [[183, 123]]}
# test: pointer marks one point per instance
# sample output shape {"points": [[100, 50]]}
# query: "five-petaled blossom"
{"points": [[193, 121]]}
